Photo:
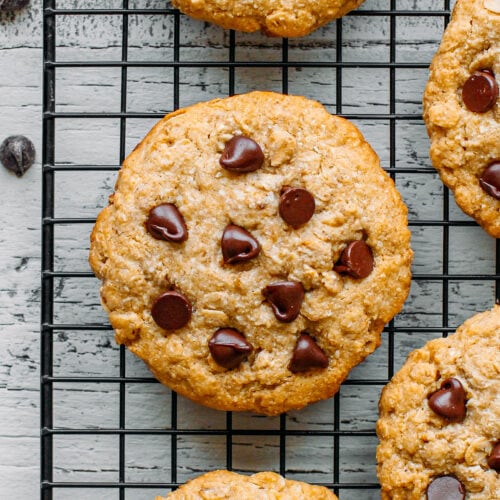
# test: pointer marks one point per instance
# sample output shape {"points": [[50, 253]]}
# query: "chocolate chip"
{"points": [[7, 5], [480, 91], [445, 488], [494, 458], [229, 347], [238, 245], [306, 355], [285, 298], [17, 153], [449, 401], [296, 206], [490, 180], [356, 260], [165, 222], [171, 310], [241, 154]]}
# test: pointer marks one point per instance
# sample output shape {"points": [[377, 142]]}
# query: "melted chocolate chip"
{"points": [[285, 298], [238, 245], [494, 458], [480, 91], [306, 355], [229, 347], [445, 488], [241, 154], [296, 206], [449, 401], [171, 310], [165, 222], [356, 260], [490, 180]]}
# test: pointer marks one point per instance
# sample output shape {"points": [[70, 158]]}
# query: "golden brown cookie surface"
{"points": [[225, 485], [462, 110], [439, 419], [208, 278], [273, 17]]}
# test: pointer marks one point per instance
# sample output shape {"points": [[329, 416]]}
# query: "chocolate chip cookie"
{"points": [[462, 110], [273, 17], [252, 252], [225, 485], [439, 425]]}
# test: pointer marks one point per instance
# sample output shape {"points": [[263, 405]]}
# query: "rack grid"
{"points": [[326, 66]]}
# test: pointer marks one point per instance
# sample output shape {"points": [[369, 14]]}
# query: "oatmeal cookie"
{"points": [[252, 252], [225, 485], [273, 17], [462, 110], [439, 425]]}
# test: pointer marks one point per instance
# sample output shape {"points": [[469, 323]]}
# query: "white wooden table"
{"points": [[93, 458], [20, 113]]}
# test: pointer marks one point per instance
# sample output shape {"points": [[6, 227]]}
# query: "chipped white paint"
{"points": [[89, 353]]}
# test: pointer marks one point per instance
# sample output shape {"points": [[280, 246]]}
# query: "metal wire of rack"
{"points": [[327, 51]]}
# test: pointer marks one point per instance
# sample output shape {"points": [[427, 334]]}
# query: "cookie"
{"points": [[273, 17], [252, 252], [439, 425], [225, 485], [462, 110]]}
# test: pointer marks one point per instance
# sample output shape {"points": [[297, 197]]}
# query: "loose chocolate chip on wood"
{"points": [[296, 206], [356, 260], [449, 401], [229, 347], [490, 180], [238, 245], [445, 488], [171, 310], [285, 298], [17, 153], [165, 222], [241, 154], [307, 355], [494, 458], [480, 91]]}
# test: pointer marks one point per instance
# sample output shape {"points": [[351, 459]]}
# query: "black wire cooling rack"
{"points": [[455, 262]]}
